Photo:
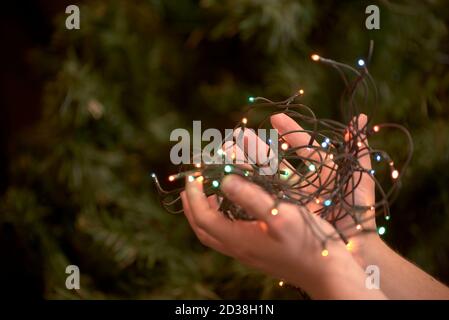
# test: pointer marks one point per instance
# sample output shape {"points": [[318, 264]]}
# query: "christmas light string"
{"points": [[322, 175]]}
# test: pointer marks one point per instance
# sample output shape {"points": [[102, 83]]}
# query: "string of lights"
{"points": [[322, 175]]}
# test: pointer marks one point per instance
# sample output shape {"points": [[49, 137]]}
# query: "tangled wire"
{"points": [[322, 175]]}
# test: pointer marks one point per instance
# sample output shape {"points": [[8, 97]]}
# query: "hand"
{"points": [[364, 194], [283, 245]]}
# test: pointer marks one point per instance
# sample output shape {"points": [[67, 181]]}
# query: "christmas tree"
{"points": [[79, 189]]}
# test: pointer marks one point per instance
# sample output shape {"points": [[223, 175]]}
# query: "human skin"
{"points": [[272, 245]]}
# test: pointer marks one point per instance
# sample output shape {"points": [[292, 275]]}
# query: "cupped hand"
{"points": [[363, 194], [285, 244], [282, 245]]}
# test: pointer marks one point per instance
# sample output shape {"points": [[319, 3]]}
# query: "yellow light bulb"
{"points": [[171, 178], [315, 57], [244, 120], [284, 146], [349, 245], [395, 174]]}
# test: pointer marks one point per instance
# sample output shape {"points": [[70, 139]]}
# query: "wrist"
{"points": [[337, 275], [366, 249], [347, 281], [344, 278], [322, 270]]}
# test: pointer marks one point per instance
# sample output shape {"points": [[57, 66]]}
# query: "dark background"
{"points": [[86, 116], [24, 25]]}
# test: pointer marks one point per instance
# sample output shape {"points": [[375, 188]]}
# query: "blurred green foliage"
{"points": [[81, 193]]}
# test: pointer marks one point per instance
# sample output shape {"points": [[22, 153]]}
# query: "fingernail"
{"points": [[230, 184], [363, 119], [192, 185]]}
